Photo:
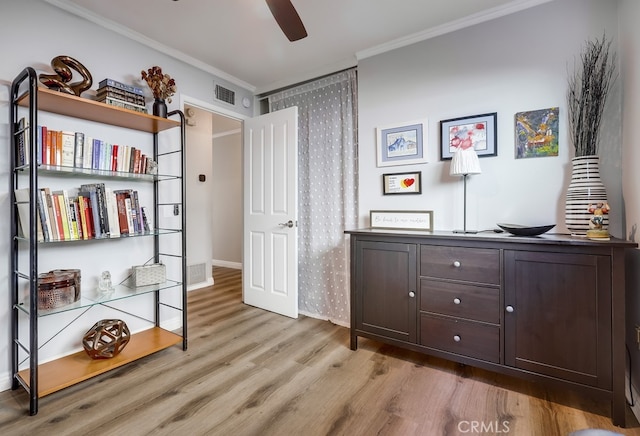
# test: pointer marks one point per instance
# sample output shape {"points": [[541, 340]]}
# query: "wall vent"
{"points": [[225, 94], [196, 273]]}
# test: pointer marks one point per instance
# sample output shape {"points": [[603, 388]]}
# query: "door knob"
{"points": [[287, 224]]}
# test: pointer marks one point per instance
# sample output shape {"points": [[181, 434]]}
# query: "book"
{"points": [[44, 213], [87, 152], [79, 149], [84, 200], [58, 148], [23, 204], [115, 84], [67, 149], [120, 94], [55, 202], [112, 212], [123, 104], [53, 222], [95, 161], [63, 213], [123, 219], [46, 137], [146, 223]]}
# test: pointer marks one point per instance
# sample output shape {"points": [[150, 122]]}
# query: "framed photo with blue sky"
{"points": [[402, 144]]}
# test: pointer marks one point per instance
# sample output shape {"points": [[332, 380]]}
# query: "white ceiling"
{"points": [[239, 40]]}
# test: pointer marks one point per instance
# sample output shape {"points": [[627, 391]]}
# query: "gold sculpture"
{"points": [[60, 81]]}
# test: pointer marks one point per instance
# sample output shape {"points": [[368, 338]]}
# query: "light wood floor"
{"points": [[251, 372]]}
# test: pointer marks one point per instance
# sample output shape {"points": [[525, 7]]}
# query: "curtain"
{"points": [[327, 190]]}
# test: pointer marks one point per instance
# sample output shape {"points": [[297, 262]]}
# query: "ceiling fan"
{"points": [[287, 18]]}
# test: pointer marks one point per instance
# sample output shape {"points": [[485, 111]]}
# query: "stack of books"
{"points": [[93, 212], [119, 94]]}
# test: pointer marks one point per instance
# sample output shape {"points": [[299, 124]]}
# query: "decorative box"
{"points": [[144, 275], [58, 288]]}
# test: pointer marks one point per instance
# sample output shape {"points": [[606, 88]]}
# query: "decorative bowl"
{"points": [[519, 230]]}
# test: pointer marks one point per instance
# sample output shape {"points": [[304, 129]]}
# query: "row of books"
{"points": [[75, 149], [95, 211], [119, 94]]}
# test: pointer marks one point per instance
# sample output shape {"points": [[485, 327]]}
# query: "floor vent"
{"points": [[226, 95], [196, 273]]}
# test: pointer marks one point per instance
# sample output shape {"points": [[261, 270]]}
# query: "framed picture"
{"points": [[478, 131], [402, 183], [402, 219], [402, 144], [537, 133]]}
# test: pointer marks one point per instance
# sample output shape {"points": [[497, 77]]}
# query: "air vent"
{"points": [[196, 273], [226, 95]]}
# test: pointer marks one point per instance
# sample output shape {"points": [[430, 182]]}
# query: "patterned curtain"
{"points": [[327, 190]]}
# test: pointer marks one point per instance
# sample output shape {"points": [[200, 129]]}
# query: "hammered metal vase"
{"points": [[585, 189]]}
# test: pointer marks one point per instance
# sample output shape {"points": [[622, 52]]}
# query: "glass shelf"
{"points": [[63, 171], [104, 238], [92, 297]]}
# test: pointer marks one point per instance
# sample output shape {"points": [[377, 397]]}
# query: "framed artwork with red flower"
{"points": [[477, 131]]}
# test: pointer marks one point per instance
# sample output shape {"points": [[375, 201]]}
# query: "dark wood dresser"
{"points": [[548, 308]]}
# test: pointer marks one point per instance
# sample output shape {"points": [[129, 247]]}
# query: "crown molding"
{"points": [[125, 31], [471, 20]]}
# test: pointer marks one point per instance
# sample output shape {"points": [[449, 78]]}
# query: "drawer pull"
{"points": [[457, 264], [412, 294], [456, 301], [457, 338], [510, 309]]}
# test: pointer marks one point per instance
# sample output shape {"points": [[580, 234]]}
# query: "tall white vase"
{"points": [[585, 189]]}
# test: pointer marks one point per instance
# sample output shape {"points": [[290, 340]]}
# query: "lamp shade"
{"points": [[465, 161]]}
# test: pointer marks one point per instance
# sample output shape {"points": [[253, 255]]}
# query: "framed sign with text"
{"points": [[402, 219]]}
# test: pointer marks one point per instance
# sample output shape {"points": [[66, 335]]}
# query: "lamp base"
{"points": [[473, 232]]}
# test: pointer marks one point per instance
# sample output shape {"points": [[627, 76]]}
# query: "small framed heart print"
{"points": [[402, 183]]}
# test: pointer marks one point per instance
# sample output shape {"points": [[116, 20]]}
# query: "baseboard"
{"points": [[226, 264], [5, 384], [200, 285], [636, 398]]}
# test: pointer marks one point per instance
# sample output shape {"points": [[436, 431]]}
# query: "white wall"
{"points": [[227, 193], [29, 39], [512, 64], [199, 202], [630, 51]]}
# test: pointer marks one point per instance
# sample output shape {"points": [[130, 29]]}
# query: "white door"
{"points": [[270, 208]]}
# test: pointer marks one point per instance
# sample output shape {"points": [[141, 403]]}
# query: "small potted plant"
{"points": [[588, 88], [162, 86]]}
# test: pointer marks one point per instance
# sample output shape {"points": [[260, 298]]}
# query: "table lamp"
{"points": [[464, 162]]}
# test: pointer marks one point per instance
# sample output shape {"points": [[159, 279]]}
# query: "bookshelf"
{"points": [[45, 378]]}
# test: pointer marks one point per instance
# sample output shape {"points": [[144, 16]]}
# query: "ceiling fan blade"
{"points": [[287, 18]]}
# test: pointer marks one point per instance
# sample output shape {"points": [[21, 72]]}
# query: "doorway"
{"points": [[214, 193]]}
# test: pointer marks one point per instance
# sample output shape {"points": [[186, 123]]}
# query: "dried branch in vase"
{"points": [[587, 95], [162, 85]]}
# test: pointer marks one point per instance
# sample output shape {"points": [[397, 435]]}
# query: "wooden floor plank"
{"points": [[252, 372]]}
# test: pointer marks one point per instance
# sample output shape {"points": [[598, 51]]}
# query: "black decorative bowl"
{"points": [[518, 230]]}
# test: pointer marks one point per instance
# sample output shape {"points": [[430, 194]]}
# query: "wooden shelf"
{"points": [[75, 368], [83, 108]]}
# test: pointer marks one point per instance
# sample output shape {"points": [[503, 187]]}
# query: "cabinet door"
{"points": [[558, 315], [386, 283]]}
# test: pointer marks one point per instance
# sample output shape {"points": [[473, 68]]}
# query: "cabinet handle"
{"points": [[510, 309], [412, 294], [456, 301], [457, 338], [457, 264]]}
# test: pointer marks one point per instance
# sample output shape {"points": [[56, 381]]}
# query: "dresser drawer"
{"points": [[479, 303], [480, 265], [467, 338]]}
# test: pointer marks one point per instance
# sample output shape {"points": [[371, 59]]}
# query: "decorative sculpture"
{"points": [[60, 81], [106, 339]]}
